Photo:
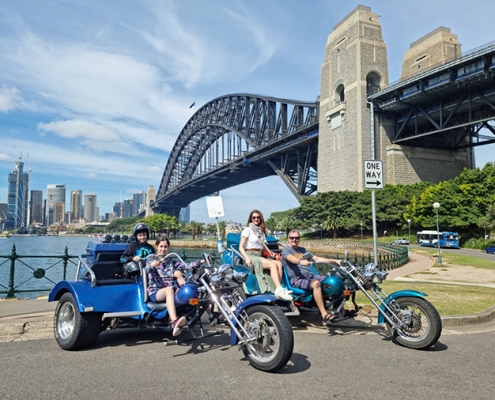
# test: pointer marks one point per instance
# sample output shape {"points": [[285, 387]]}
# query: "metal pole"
{"points": [[375, 251], [10, 289], [438, 241]]}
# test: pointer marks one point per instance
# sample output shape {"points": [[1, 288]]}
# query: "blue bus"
{"points": [[430, 238]]}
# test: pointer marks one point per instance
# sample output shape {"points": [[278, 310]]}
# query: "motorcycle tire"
{"points": [[425, 328], [75, 330], [275, 343]]}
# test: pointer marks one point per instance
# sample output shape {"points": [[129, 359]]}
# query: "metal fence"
{"points": [[38, 274], [32, 273], [361, 252]]}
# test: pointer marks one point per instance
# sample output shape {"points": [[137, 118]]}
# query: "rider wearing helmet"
{"points": [[139, 249]]}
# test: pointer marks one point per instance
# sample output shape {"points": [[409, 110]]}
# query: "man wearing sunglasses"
{"points": [[301, 276]]}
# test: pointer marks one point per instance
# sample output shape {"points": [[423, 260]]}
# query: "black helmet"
{"points": [[141, 227]]}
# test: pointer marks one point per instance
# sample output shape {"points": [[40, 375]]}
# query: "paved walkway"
{"points": [[29, 319]]}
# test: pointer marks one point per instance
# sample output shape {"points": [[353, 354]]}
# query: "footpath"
{"points": [[32, 319]]}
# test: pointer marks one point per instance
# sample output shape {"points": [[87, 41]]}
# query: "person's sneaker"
{"points": [[214, 319], [281, 293], [288, 291], [177, 324]]}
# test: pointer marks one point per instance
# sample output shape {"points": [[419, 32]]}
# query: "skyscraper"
{"points": [[58, 212], [90, 208], [75, 204], [54, 194], [17, 197], [36, 207], [139, 202]]}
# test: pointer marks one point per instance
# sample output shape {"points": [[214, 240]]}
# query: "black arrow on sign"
{"points": [[377, 183]]}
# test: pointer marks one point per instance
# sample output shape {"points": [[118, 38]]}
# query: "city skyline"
{"points": [[109, 129]]}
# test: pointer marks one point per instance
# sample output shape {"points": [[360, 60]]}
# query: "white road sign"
{"points": [[373, 174]]}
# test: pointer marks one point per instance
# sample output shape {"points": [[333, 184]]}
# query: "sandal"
{"points": [[327, 319]]}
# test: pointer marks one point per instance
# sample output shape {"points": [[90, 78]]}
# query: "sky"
{"points": [[94, 94]]}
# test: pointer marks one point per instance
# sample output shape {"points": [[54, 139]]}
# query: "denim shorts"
{"points": [[304, 283], [153, 297]]}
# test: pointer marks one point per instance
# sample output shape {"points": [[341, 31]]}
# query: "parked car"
{"points": [[400, 241], [490, 250]]}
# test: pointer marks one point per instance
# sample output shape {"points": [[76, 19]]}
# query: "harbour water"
{"points": [[28, 270]]}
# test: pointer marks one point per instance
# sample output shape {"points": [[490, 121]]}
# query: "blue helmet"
{"points": [[186, 293]]}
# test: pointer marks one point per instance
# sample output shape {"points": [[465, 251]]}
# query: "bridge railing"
{"points": [[466, 56]]}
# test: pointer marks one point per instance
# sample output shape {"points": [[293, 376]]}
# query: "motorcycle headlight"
{"points": [[226, 272]]}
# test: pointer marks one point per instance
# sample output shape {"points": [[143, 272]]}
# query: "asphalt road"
{"points": [[463, 252], [338, 365]]}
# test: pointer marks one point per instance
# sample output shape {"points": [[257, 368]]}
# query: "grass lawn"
{"points": [[448, 299]]}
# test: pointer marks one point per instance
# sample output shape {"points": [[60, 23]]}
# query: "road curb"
{"points": [[482, 317]]}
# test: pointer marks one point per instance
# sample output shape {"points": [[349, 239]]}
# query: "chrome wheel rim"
{"points": [[419, 327], [66, 320], [266, 347]]}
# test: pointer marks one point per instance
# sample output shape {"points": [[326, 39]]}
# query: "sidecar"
{"points": [[103, 293]]}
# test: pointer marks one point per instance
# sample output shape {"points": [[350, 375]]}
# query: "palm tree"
{"points": [[332, 223]]}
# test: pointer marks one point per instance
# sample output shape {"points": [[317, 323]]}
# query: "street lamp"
{"points": [[361, 231], [384, 234], [436, 206], [409, 223]]}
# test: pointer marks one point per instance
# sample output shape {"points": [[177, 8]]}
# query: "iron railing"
{"points": [[30, 273]]}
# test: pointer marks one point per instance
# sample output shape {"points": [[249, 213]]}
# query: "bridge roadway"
{"points": [[446, 107], [239, 138]]}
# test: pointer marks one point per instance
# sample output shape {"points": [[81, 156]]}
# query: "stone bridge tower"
{"points": [[355, 64]]}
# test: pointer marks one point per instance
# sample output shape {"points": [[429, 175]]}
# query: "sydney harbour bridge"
{"points": [[239, 138]]}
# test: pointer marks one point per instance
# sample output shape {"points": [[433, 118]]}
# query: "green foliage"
{"points": [[122, 225], [162, 224], [467, 205]]}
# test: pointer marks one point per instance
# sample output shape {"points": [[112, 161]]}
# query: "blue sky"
{"points": [[95, 93]]}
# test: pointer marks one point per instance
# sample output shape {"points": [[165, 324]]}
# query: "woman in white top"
{"points": [[251, 247]]}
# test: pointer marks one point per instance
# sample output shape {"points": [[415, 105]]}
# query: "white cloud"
{"points": [[80, 129], [4, 157], [90, 175], [10, 99]]}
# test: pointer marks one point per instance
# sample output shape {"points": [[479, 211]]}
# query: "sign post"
{"points": [[215, 210], [373, 179]]}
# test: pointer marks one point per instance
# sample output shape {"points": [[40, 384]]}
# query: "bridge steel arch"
{"points": [[239, 138]]}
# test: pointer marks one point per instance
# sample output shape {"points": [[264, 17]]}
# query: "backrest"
{"points": [[107, 269], [110, 256]]}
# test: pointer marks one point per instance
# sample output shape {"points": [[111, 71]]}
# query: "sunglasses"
{"points": [[294, 238], [256, 217]]}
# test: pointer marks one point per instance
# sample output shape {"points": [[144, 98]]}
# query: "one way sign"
{"points": [[373, 174]]}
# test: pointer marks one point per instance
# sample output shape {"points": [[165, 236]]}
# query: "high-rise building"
{"points": [[36, 207], [3, 215], [17, 197], [139, 202], [90, 208], [75, 204], [185, 214], [58, 212], [54, 194], [127, 207]]}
